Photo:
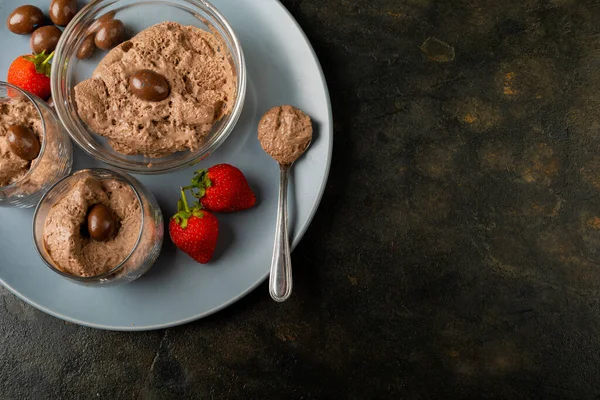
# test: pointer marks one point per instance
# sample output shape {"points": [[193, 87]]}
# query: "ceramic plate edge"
{"points": [[295, 242]]}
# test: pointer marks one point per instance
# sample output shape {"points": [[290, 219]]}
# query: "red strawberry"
{"points": [[222, 188], [194, 231], [31, 73]]}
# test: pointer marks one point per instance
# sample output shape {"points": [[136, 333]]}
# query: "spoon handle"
{"points": [[280, 281]]}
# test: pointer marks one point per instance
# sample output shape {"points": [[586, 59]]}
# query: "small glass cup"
{"points": [[137, 15], [149, 242], [54, 161]]}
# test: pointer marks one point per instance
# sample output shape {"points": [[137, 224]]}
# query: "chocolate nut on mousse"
{"points": [[149, 85], [23, 142], [101, 223]]}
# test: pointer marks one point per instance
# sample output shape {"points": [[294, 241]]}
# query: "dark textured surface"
{"points": [[462, 255]]}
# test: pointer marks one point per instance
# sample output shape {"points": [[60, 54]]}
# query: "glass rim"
{"points": [[86, 279], [60, 72], [33, 165]]}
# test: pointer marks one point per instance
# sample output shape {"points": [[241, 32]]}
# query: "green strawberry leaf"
{"points": [[41, 62], [184, 213], [200, 182]]}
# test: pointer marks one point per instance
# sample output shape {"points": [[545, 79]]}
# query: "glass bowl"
{"points": [[54, 160], [149, 240], [137, 15]]}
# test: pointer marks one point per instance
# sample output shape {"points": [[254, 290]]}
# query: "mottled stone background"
{"points": [[461, 259]]}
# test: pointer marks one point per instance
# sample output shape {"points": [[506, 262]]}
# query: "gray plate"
{"points": [[282, 69]]}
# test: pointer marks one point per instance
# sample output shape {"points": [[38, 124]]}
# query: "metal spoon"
{"points": [[284, 132], [280, 281]]}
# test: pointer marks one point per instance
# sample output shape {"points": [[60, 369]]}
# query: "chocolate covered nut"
{"points": [[149, 85], [101, 223], [23, 142], [45, 38], [95, 27], [62, 11], [25, 19], [110, 34], [87, 48]]}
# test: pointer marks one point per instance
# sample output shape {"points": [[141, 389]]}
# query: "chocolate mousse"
{"points": [[20, 134], [93, 227], [284, 133], [160, 92]]}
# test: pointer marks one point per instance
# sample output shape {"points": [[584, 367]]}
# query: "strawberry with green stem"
{"points": [[194, 230], [222, 188], [32, 73]]}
